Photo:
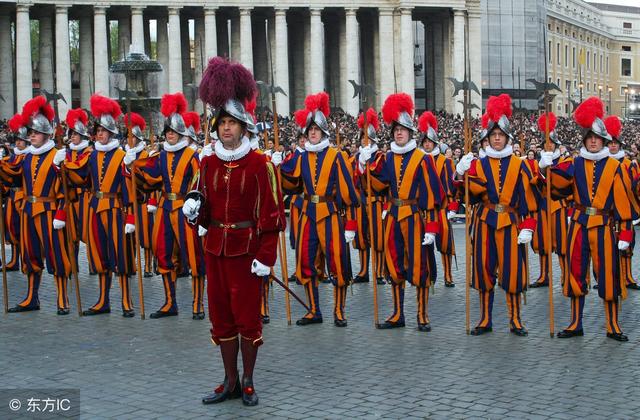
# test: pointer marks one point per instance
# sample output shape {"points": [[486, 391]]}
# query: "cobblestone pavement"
{"points": [[130, 368]]}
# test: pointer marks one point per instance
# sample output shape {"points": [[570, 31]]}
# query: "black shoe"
{"points": [[618, 336], [361, 279], [481, 330], [266, 319], [424, 327], [537, 284], [148, 274], [163, 314], [223, 393], [570, 333], [128, 314], [449, 284], [381, 281], [387, 325], [249, 395], [325, 280], [340, 322], [633, 286], [520, 332], [595, 286], [90, 311], [19, 308], [63, 311], [308, 321], [198, 316], [14, 267], [293, 279]]}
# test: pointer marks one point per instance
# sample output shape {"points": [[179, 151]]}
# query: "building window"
{"points": [[625, 67], [574, 57], [607, 65], [588, 60], [600, 63], [558, 53], [566, 56], [627, 25], [626, 48], [588, 87], [550, 52]]}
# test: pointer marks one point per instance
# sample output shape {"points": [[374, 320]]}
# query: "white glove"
{"points": [[129, 157], [129, 228], [465, 163], [429, 238], [201, 231], [349, 235], [276, 158], [635, 222], [1, 152], [525, 236], [60, 156], [190, 208], [384, 214], [151, 208], [623, 245], [259, 269], [365, 154], [206, 151], [451, 214], [58, 224], [546, 159]]}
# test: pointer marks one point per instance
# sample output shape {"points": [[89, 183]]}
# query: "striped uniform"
{"points": [[13, 196], [630, 168], [444, 239]]}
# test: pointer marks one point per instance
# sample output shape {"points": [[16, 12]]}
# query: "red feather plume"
{"points": [[173, 104], [318, 102], [136, 119], [587, 112], [223, 80], [75, 115], [301, 117], [37, 105], [395, 104], [250, 107], [542, 122], [372, 119], [614, 126], [16, 123], [426, 120], [192, 119], [485, 120], [101, 105], [500, 105]]}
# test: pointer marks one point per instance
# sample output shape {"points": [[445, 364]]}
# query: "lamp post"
{"points": [[610, 89], [626, 103]]}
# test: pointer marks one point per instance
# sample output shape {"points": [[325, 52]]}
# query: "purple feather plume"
{"points": [[223, 80]]}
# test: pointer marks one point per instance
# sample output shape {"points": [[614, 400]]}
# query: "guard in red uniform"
{"points": [[239, 201]]}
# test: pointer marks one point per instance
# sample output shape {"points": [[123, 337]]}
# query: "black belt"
{"points": [[233, 225]]}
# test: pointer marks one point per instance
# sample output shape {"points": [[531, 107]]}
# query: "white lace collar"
{"points": [[481, 153], [235, 154], [507, 151], [113, 144], [621, 154], [19, 152], [435, 152], [137, 148], [193, 147], [315, 148], [374, 148], [602, 154], [255, 143], [50, 144], [401, 150], [175, 147], [80, 146], [300, 149], [556, 154]]}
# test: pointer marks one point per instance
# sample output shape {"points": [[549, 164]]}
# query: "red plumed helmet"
{"points": [[173, 104], [484, 121], [136, 120], [250, 107], [587, 112], [192, 119], [16, 123], [372, 119], [75, 115], [395, 105], [101, 105], [614, 126], [497, 106], [37, 105], [426, 120], [318, 102], [542, 122]]}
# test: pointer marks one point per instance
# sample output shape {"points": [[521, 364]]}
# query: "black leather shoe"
{"points": [[14, 267], [618, 336], [266, 319], [249, 395], [63, 311], [424, 327], [19, 308], [481, 330], [148, 274], [536, 284], [340, 322], [91, 312], [128, 314], [570, 333], [163, 314], [595, 286], [308, 321], [449, 284], [223, 393], [633, 286], [198, 316], [387, 325], [325, 280], [381, 281], [520, 332], [361, 279]]}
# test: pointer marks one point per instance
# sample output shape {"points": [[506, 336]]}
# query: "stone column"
{"points": [[63, 59], [385, 43], [147, 36], [458, 54], [246, 43], [86, 61], [281, 46], [200, 60], [137, 29], [24, 79], [234, 35], [163, 54], [100, 51], [6, 70], [175, 53], [406, 52], [124, 37], [351, 105], [475, 34], [315, 66], [210, 34], [45, 64]]}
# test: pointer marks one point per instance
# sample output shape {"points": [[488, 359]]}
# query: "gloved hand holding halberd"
{"points": [[190, 208]]}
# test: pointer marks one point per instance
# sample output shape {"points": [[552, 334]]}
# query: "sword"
{"points": [[288, 290]]}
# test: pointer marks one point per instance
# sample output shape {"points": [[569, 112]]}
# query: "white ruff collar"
{"points": [[435, 152], [176, 147], [50, 144], [556, 154], [507, 151], [235, 154], [401, 150], [113, 144], [374, 148], [194, 147], [602, 154], [481, 153], [255, 144], [621, 154], [300, 149], [137, 148], [80, 146], [19, 152], [315, 148]]}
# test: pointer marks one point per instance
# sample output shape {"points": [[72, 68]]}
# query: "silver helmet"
{"points": [[503, 124], [431, 135], [175, 122], [234, 109], [80, 128], [317, 117], [107, 122], [41, 124], [22, 134], [599, 129], [404, 120], [137, 133]]}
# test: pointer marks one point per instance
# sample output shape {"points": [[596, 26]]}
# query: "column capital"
{"points": [[280, 10], [315, 11], [99, 10], [23, 7], [62, 8], [174, 10], [210, 10], [351, 11], [459, 12], [385, 11], [245, 11], [137, 10], [405, 10]]}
